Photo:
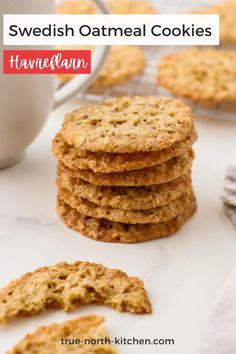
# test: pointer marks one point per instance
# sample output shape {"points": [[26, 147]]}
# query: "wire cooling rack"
{"points": [[146, 84]]}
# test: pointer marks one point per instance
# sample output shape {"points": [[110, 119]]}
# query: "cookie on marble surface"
{"points": [[205, 76], [128, 124], [67, 286], [126, 198], [115, 69], [163, 213], [161, 173], [107, 162], [111, 231], [71, 7], [135, 7], [227, 11], [48, 340]]}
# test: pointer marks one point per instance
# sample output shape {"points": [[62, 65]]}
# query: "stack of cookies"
{"points": [[124, 169]]}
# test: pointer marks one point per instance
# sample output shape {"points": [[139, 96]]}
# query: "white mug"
{"points": [[27, 100]]}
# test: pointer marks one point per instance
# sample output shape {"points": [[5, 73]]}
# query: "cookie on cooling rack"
{"points": [[131, 7], [204, 76], [48, 339], [115, 6], [70, 7], [123, 63], [227, 12]]}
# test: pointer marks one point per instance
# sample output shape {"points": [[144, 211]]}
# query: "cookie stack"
{"points": [[124, 169]]}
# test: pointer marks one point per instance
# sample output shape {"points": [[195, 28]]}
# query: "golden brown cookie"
{"points": [[126, 198], [134, 7], [203, 76], [71, 7], [128, 124], [163, 213], [67, 286], [48, 340], [107, 162], [111, 231], [161, 173], [227, 12], [115, 70]]}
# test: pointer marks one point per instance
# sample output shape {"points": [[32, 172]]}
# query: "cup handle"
{"points": [[81, 82]]}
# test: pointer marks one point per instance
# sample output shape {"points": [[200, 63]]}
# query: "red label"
{"points": [[47, 62]]}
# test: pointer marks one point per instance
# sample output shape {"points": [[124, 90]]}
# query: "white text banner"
{"points": [[22, 30]]}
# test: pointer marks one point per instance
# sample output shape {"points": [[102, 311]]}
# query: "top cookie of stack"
{"points": [[118, 148]]}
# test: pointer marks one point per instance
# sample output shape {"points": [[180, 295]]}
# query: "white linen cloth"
{"points": [[229, 194], [220, 335]]}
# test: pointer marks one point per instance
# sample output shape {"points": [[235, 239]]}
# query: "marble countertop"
{"points": [[182, 273]]}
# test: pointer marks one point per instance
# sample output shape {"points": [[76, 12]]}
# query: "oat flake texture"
{"points": [[135, 7], [163, 213], [205, 76], [116, 232], [126, 125], [105, 162], [226, 10], [47, 340], [125, 198], [161, 173], [67, 286]]}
